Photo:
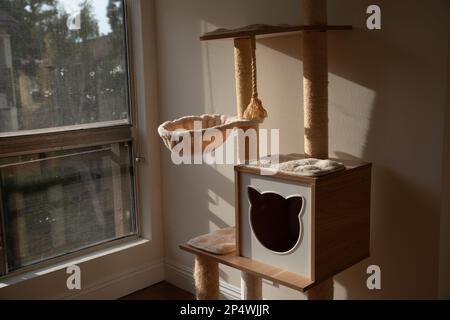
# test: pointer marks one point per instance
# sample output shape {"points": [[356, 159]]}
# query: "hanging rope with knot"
{"points": [[255, 110]]}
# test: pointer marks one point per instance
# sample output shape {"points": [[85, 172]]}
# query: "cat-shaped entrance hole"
{"points": [[276, 220]]}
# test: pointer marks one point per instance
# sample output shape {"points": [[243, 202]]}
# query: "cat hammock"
{"points": [[172, 131], [249, 115]]}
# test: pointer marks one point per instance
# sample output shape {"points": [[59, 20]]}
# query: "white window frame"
{"points": [[113, 270]]}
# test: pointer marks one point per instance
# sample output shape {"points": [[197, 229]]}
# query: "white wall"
{"points": [[387, 102]]}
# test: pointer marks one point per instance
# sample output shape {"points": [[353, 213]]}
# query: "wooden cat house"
{"points": [[314, 226]]}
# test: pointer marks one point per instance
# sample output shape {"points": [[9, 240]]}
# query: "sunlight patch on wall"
{"points": [[340, 291], [350, 111], [280, 88]]}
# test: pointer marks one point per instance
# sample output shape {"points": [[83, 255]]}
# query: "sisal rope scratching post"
{"points": [[245, 72], [206, 275], [206, 271], [315, 80], [315, 91], [244, 50]]}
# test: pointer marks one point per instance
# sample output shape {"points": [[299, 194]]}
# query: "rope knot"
{"points": [[255, 110]]}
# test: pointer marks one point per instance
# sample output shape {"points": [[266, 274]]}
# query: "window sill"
{"points": [[11, 280]]}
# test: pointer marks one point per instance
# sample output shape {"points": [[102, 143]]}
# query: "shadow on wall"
{"points": [[403, 138], [199, 212]]}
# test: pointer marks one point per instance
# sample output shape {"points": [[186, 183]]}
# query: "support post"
{"points": [[315, 91], [206, 275], [243, 52], [251, 287], [315, 80]]}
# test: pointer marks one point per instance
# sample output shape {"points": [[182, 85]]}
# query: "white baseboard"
{"points": [[122, 284], [182, 276]]}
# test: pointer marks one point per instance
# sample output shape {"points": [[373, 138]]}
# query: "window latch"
{"points": [[140, 159]]}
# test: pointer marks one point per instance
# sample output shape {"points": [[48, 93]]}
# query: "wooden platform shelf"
{"points": [[256, 268], [264, 30]]}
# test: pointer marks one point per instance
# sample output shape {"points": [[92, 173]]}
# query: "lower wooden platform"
{"points": [[256, 268]]}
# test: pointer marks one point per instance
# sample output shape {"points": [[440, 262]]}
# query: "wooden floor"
{"points": [[160, 291]]}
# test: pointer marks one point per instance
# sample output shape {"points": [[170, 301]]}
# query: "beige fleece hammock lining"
{"points": [[172, 131]]}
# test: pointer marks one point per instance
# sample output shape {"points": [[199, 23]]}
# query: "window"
{"points": [[67, 172]]}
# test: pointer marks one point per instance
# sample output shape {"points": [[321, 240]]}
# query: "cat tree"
{"points": [[334, 217]]}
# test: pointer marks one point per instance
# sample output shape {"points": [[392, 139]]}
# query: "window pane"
{"points": [[60, 202], [62, 63]]}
